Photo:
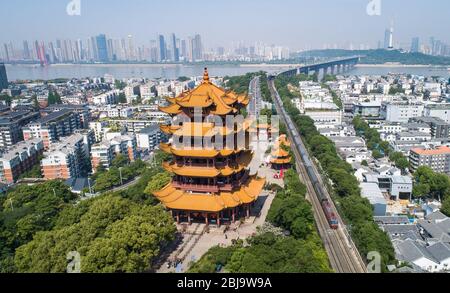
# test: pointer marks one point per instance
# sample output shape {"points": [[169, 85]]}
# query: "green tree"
{"points": [[120, 84], [54, 98], [446, 206], [120, 161], [158, 182], [376, 154], [122, 98], [344, 185], [113, 235]]}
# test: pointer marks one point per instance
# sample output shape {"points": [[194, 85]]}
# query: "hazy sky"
{"points": [[294, 23]]}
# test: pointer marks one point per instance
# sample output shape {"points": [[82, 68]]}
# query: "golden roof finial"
{"points": [[206, 75]]}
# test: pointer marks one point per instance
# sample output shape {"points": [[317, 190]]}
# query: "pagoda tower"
{"points": [[281, 159], [209, 184]]}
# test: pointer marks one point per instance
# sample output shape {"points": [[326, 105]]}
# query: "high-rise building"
{"points": [[198, 48], [415, 47], [387, 37], [162, 49], [391, 36], [102, 48], [26, 51], [6, 53], [3, 77], [183, 48], [131, 49], [175, 50]]}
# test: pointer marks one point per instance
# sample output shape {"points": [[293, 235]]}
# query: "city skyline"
{"points": [[162, 49], [315, 26]]}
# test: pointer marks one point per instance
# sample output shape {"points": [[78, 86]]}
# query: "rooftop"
{"points": [[442, 150], [20, 147], [372, 192], [151, 129], [392, 220], [52, 116]]}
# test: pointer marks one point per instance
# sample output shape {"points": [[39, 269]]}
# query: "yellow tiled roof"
{"points": [[280, 161], [198, 153], [207, 95], [279, 153], [180, 200], [202, 129], [209, 172]]}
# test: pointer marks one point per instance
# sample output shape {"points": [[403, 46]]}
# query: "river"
{"points": [[33, 72]]}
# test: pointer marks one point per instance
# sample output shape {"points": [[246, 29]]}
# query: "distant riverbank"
{"points": [[395, 65], [173, 71], [121, 71]]}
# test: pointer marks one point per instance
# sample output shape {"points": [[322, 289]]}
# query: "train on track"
{"points": [[299, 145]]}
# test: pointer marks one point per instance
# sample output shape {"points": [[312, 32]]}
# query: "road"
{"points": [[342, 252], [254, 107]]}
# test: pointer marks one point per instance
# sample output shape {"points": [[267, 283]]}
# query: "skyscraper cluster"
{"points": [[100, 48], [161, 49], [433, 47]]}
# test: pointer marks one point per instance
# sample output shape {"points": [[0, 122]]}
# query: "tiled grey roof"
{"points": [[436, 216], [440, 251], [411, 251], [392, 220]]}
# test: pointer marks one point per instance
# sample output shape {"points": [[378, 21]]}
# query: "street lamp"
{"points": [[120, 172]]}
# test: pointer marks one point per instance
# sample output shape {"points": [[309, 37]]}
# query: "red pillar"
{"points": [[206, 219], [218, 219]]}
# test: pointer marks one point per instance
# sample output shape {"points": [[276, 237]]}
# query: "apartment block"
{"points": [[52, 127], [439, 128], [125, 145], [20, 159], [103, 153], [401, 111], [437, 159], [11, 124], [99, 128], [66, 159], [82, 112], [149, 138]]}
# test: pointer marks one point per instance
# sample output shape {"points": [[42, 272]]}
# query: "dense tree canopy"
{"points": [[113, 235], [108, 179], [430, 183], [379, 147], [116, 232], [27, 210]]}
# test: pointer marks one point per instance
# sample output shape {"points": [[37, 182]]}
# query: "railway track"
{"points": [[342, 254]]}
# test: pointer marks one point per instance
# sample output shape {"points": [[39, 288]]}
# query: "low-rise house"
{"points": [[399, 187], [372, 192]]}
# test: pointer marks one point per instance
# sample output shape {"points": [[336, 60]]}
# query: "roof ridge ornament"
{"points": [[206, 76]]}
